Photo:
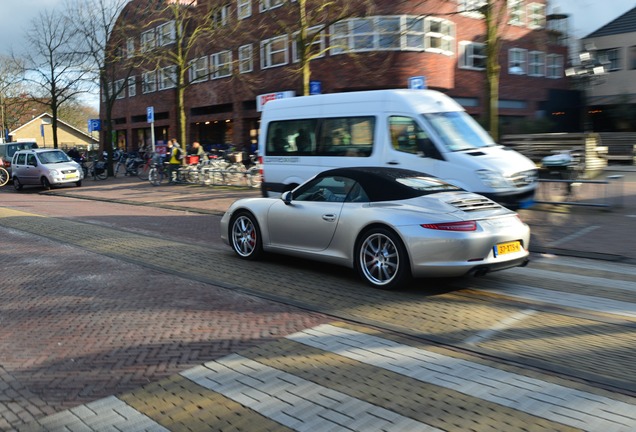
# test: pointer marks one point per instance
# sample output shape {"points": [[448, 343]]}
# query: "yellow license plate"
{"points": [[70, 176], [507, 248]]}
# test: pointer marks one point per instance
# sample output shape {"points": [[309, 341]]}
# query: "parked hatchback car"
{"points": [[44, 167]]}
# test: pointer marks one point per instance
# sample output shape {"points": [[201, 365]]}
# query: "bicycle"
{"points": [[97, 169], [143, 169], [4, 176]]}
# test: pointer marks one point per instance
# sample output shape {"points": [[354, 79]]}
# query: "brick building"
{"points": [[368, 45]]}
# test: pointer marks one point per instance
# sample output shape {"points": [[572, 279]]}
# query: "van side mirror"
{"points": [[287, 197]]}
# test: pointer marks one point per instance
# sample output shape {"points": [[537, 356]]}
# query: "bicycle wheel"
{"points": [[154, 176], [143, 171], [116, 169], [102, 174], [4, 176]]}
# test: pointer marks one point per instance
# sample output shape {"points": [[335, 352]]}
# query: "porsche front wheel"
{"points": [[245, 236], [381, 259]]}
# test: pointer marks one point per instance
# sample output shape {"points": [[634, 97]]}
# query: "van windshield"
{"points": [[458, 130]]}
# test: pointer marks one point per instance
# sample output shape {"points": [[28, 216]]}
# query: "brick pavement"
{"points": [[195, 407]]}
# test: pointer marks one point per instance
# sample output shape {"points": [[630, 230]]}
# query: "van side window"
{"points": [[347, 136], [293, 137], [408, 137]]}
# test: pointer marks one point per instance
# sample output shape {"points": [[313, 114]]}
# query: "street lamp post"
{"points": [[586, 73]]}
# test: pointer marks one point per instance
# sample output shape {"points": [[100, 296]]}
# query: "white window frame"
{"points": [[536, 16], [467, 55], [221, 16], [265, 5], [413, 33], [611, 57], [148, 40], [446, 38], [554, 66], [267, 54], [468, 8], [221, 64], [516, 12], [130, 47], [132, 86], [149, 82], [243, 9], [536, 63], [198, 70], [166, 33], [518, 57], [167, 77], [318, 43], [246, 58]]}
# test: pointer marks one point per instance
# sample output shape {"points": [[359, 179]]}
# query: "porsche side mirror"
{"points": [[287, 197]]}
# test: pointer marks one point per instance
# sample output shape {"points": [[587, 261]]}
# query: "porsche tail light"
{"points": [[452, 226]]}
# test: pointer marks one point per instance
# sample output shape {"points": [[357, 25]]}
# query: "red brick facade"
{"points": [[224, 109]]}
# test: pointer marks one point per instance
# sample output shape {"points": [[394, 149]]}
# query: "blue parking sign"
{"points": [[150, 114], [315, 87], [94, 125], [417, 82]]}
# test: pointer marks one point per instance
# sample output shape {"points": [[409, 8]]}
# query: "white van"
{"points": [[422, 130]]}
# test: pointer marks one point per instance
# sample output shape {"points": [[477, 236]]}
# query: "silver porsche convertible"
{"points": [[388, 224]]}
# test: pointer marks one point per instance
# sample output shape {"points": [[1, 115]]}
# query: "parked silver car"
{"points": [[44, 167], [389, 224]]}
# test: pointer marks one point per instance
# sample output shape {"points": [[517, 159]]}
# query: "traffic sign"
{"points": [[94, 125], [150, 114], [417, 82], [315, 87]]}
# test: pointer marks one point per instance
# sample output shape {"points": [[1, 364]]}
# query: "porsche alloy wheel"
{"points": [[382, 259], [245, 236]]}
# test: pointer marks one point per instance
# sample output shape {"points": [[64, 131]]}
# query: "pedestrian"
{"points": [[197, 150], [174, 155]]}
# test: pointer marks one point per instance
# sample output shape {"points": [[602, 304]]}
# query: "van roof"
{"points": [[419, 101]]}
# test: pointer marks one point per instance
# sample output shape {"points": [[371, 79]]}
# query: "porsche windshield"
{"points": [[428, 184], [458, 131]]}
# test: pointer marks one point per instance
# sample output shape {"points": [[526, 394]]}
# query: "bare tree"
{"points": [[108, 65], [53, 67], [11, 88]]}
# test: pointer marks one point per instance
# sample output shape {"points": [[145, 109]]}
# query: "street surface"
{"points": [[141, 311]]}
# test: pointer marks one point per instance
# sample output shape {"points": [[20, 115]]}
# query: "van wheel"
{"points": [[46, 184], [16, 184]]}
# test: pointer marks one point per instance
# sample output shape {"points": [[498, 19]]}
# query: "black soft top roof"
{"points": [[380, 183]]}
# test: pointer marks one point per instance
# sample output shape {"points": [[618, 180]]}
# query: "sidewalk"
{"points": [[583, 231]]}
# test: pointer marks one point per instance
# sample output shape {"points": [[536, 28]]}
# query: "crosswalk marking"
{"points": [[554, 402], [295, 402]]}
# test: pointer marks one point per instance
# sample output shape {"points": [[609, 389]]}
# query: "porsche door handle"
{"points": [[329, 217]]}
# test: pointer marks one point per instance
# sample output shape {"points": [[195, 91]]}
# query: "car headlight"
{"points": [[493, 179], [54, 173]]}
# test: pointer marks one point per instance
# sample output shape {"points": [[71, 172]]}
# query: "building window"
{"points": [[554, 66], [199, 70], [536, 15], [439, 36], [130, 47], [149, 82], [132, 86], [221, 15], [265, 5], [536, 63], [611, 57], [472, 55], [316, 40], [221, 64], [167, 77], [393, 33], [166, 33], [274, 52], [632, 57], [471, 7], [244, 8], [246, 60], [517, 61], [148, 42], [516, 12], [119, 89]]}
